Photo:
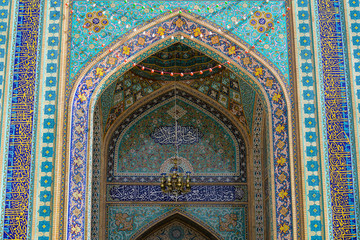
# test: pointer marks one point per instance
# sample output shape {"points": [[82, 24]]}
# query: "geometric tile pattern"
{"points": [[308, 109], [43, 207], [261, 73]]}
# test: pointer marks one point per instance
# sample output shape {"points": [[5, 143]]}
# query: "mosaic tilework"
{"points": [[96, 183], [278, 107], [125, 220], [176, 230], [5, 10], [259, 157], [5, 27], [17, 211], [312, 205], [338, 129], [199, 193], [132, 14], [222, 142], [107, 103], [353, 20], [43, 192], [231, 91]]}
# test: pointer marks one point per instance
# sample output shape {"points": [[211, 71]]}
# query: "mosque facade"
{"points": [[255, 104]]}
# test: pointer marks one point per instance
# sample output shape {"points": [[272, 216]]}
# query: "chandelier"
{"points": [[175, 183]]}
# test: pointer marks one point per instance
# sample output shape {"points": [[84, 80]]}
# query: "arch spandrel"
{"points": [[266, 78]]}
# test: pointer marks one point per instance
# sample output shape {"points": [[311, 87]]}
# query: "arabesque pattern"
{"points": [[125, 16], [230, 49]]}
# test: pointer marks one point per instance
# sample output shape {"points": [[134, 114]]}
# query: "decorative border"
{"points": [[340, 165], [7, 34], [101, 69], [96, 177], [117, 193], [352, 11], [259, 157], [43, 204], [307, 114], [23, 112]]}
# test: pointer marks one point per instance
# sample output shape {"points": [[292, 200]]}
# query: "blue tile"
{"points": [[309, 108], [44, 211], [303, 15], [311, 151], [314, 195], [315, 210], [308, 94], [49, 123], [304, 28], [50, 95], [51, 81], [49, 109]]}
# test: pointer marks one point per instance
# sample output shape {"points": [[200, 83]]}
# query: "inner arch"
{"points": [[173, 225]]}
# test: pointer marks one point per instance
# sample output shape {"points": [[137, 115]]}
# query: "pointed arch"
{"points": [[263, 77], [167, 219]]}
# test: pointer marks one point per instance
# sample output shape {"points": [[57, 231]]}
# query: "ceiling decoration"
{"points": [[177, 58], [225, 87]]}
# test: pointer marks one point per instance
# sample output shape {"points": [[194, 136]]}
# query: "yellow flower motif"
{"points": [[78, 161], [281, 161], [258, 71], [197, 32], [75, 229], [284, 228], [215, 40], [126, 50], [232, 50], [280, 128], [99, 72], [276, 97], [246, 60], [77, 195], [283, 194], [161, 31], [269, 82], [89, 83], [76, 212], [82, 97], [141, 41], [179, 23]]}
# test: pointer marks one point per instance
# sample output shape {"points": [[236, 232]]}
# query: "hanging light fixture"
{"points": [[175, 183]]}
